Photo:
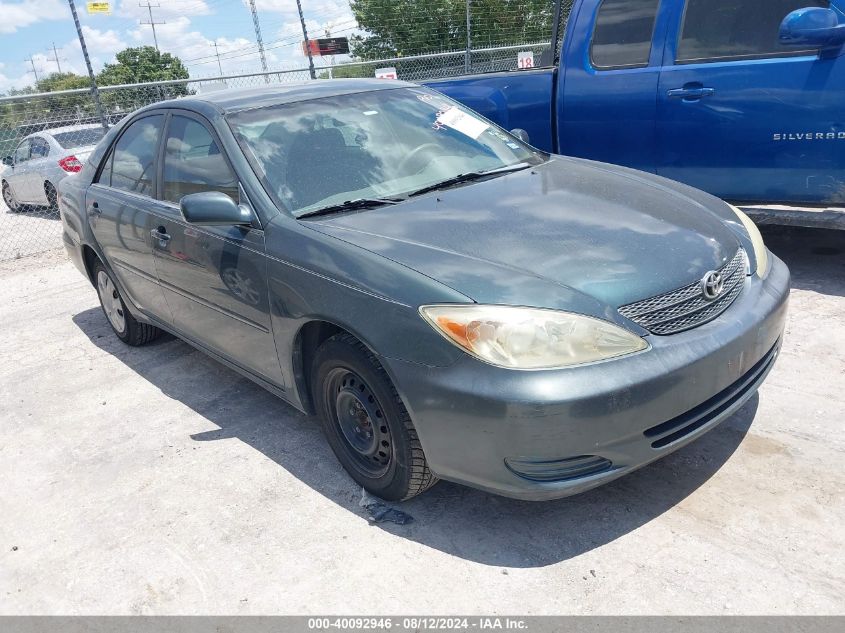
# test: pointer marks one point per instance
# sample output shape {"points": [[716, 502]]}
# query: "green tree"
{"points": [[397, 28], [61, 81], [140, 65]]}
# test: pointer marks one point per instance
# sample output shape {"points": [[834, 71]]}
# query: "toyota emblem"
{"points": [[711, 285]]}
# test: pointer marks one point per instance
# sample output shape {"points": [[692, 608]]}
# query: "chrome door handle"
{"points": [[691, 92], [161, 235]]}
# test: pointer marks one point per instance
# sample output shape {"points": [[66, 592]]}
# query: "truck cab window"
{"points": [[623, 33], [736, 29]]}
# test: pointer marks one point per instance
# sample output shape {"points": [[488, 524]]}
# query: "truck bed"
{"points": [[513, 99]]}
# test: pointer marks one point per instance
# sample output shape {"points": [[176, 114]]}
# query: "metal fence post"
{"points": [[467, 60], [95, 94]]}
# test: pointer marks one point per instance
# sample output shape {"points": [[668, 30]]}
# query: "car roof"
{"points": [[64, 128], [235, 99]]}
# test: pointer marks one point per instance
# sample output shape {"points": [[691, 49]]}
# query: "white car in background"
{"points": [[41, 160]]}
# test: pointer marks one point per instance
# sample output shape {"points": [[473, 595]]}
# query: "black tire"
{"points": [[390, 462], [9, 199], [52, 197], [123, 324]]}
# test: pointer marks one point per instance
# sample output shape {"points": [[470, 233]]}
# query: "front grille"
{"points": [[687, 307], [697, 417]]}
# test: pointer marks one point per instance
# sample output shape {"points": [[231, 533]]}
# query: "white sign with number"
{"points": [[386, 73], [524, 59]]}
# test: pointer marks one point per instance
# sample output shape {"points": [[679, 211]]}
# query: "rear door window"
{"points": [[40, 148], [80, 138], [194, 163], [133, 164], [22, 152], [736, 29], [622, 34]]}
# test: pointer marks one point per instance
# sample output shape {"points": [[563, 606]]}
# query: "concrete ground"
{"points": [[153, 480]]}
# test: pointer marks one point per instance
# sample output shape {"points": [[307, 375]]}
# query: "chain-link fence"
{"points": [[46, 136]]}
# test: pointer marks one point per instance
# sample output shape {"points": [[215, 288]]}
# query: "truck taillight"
{"points": [[71, 164]]}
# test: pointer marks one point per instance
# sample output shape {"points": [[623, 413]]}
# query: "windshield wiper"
{"points": [[469, 177], [351, 205]]}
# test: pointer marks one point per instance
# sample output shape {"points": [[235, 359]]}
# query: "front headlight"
{"points": [[761, 255], [530, 338]]}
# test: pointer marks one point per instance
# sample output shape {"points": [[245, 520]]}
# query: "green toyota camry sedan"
{"points": [[451, 302]]}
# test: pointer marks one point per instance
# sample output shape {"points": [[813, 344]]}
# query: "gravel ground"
{"points": [[154, 480]]}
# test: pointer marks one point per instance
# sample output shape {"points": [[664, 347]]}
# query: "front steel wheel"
{"points": [[365, 421], [360, 418]]}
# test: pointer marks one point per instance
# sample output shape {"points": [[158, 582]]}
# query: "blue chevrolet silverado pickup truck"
{"points": [[744, 99]]}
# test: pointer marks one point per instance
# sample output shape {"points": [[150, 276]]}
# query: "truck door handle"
{"points": [[95, 208], [161, 235], [691, 92]]}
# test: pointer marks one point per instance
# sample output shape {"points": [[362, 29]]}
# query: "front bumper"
{"points": [[471, 417]]}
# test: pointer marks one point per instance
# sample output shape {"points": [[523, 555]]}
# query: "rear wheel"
{"points": [[52, 197], [366, 422], [9, 198], [125, 326]]}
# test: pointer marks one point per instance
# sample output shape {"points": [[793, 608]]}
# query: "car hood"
{"points": [[548, 235]]}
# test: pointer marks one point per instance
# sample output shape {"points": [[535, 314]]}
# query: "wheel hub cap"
{"points": [[112, 305]]}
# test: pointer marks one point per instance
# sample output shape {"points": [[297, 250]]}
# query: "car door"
{"points": [[213, 277], [744, 117], [606, 101], [37, 168], [18, 174], [118, 206]]}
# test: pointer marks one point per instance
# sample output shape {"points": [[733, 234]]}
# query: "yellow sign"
{"points": [[99, 7]]}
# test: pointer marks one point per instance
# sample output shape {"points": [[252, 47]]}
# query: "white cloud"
{"points": [[17, 15], [166, 9], [197, 52]]}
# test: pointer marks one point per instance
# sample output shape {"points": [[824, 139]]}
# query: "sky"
{"points": [[30, 28]]}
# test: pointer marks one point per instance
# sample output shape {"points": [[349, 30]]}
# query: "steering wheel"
{"points": [[414, 155]]}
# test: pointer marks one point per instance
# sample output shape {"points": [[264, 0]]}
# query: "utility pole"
{"points": [[216, 52], [307, 43], [56, 57], [258, 39], [33, 71], [150, 6], [468, 54], [95, 94]]}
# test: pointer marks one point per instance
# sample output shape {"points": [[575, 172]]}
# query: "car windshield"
{"points": [[370, 145], [79, 138]]}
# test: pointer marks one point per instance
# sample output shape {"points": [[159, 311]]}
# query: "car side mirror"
{"points": [[213, 208], [813, 26], [8, 160], [521, 134]]}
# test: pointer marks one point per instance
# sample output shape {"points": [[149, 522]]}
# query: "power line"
{"points": [[150, 6], [252, 49]]}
